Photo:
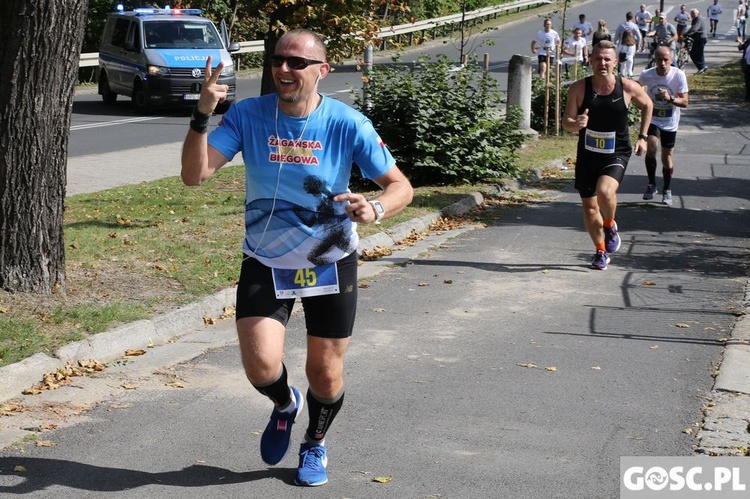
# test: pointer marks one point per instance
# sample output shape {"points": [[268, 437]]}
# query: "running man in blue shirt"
{"points": [[300, 231]]}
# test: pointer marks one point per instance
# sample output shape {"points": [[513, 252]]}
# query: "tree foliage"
{"points": [[444, 126]]}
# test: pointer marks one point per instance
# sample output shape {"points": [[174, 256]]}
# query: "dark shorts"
{"points": [[543, 59], [327, 316], [590, 167], [667, 139]]}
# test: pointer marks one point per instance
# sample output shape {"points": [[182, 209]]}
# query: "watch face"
{"points": [[378, 207]]}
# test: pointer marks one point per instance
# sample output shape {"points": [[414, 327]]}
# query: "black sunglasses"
{"points": [[292, 61]]}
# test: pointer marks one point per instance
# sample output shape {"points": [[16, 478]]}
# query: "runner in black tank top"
{"points": [[597, 109], [607, 113]]}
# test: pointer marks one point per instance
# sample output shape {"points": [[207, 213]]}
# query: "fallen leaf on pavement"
{"points": [[45, 443], [383, 479], [176, 384], [6, 409], [529, 365], [228, 313], [682, 325], [649, 283], [369, 255], [19, 469], [134, 353], [550, 368]]}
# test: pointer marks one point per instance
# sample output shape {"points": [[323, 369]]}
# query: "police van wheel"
{"points": [[108, 96], [141, 99]]}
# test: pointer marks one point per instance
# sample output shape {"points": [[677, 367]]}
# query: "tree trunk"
{"points": [[282, 15], [40, 43]]}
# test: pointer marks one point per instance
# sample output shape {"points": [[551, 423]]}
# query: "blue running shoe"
{"points": [[313, 462], [611, 239], [600, 260], [274, 443], [651, 191]]}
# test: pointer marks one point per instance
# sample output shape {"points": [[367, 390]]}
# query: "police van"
{"points": [[158, 56]]}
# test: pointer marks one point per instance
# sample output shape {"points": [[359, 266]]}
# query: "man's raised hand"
{"points": [[212, 93]]}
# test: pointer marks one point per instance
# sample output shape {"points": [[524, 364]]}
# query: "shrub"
{"points": [[443, 124]]}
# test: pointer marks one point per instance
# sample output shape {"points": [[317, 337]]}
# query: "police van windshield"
{"points": [[181, 34]]}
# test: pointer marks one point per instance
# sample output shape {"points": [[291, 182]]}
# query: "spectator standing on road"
{"points": [[741, 19], [697, 32], [546, 42], [628, 25], [682, 19], [667, 86], [300, 231], [643, 21], [597, 108], [586, 28], [601, 33], [626, 54], [713, 12]]}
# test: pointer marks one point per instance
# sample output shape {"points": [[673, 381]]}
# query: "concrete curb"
{"points": [[734, 374]]}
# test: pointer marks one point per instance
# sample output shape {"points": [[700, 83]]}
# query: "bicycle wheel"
{"points": [[682, 57]]}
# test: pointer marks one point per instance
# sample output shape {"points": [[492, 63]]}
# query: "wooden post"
{"points": [[546, 96], [557, 91]]}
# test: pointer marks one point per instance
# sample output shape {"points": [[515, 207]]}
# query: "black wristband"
{"points": [[199, 121], [642, 136], [197, 115]]}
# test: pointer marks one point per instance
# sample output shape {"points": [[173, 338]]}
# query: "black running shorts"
{"points": [[326, 316], [591, 167]]}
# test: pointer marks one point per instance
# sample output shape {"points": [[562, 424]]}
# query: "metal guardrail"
{"points": [[91, 59]]}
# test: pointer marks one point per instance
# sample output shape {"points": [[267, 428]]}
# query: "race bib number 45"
{"points": [[299, 283], [601, 142]]}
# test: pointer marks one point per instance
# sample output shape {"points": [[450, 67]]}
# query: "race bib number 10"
{"points": [[601, 142], [299, 283]]}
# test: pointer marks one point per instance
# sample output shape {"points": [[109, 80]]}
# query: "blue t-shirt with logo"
{"points": [[294, 167]]}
